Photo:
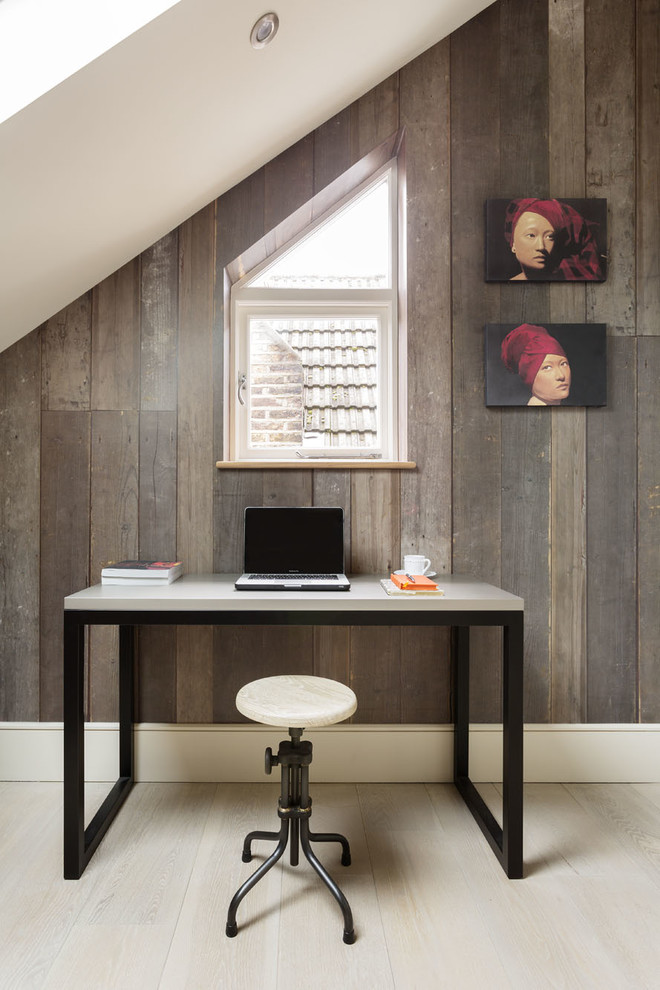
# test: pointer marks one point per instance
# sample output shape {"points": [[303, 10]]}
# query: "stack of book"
{"points": [[142, 572], [410, 584]]}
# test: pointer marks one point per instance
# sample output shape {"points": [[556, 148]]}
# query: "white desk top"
{"points": [[216, 592]]}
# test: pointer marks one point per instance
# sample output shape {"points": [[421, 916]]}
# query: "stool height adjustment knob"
{"points": [[271, 761]]}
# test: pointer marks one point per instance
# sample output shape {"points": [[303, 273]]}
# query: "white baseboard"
{"points": [[397, 753]]}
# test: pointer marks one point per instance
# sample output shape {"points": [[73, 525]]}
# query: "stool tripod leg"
{"points": [[349, 931], [232, 928], [334, 837], [305, 842], [249, 839]]}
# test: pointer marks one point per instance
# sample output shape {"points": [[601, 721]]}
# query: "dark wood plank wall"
{"points": [[111, 413]]}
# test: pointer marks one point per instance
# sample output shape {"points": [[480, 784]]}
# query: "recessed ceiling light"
{"points": [[264, 30]]}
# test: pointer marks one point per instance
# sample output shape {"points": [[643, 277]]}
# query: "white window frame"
{"points": [[246, 302]]}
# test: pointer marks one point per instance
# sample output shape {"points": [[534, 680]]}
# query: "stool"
{"points": [[297, 701]]}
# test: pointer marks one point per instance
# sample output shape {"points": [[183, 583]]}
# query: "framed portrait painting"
{"points": [[554, 364], [546, 240]]}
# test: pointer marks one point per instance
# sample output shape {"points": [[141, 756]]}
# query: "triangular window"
{"points": [[351, 249], [315, 342]]}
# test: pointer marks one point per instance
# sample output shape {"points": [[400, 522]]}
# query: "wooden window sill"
{"points": [[320, 463]]}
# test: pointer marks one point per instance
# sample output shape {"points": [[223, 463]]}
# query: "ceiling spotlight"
{"points": [[264, 30]]}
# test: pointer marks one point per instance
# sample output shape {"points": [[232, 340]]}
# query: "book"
{"points": [[413, 582], [142, 572], [393, 590]]}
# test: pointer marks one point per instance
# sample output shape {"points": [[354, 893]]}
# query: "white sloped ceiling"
{"points": [[107, 161]]}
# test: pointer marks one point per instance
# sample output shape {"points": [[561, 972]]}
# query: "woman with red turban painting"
{"points": [[551, 241], [541, 362]]}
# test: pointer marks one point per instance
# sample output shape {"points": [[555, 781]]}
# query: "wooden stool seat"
{"points": [[298, 700]]}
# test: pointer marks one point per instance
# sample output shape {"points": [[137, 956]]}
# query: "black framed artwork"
{"points": [[546, 240], [554, 364]]}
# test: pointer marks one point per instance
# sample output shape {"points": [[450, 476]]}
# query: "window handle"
{"points": [[242, 382]]}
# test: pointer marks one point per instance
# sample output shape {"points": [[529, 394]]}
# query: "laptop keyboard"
{"points": [[292, 577]]}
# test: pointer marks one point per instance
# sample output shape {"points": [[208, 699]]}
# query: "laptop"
{"points": [[293, 549]]}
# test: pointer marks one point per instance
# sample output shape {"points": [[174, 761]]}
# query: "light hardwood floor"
{"points": [[432, 907]]}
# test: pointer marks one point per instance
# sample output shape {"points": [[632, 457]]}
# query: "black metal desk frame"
{"points": [[505, 841]]}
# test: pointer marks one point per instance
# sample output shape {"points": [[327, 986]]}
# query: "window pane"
{"points": [[350, 251], [276, 389], [314, 382]]}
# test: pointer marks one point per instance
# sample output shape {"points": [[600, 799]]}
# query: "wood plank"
{"points": [[152, 849], [568, 543], [287, 487], [332, 646], [610, 142], [20, 394], [130, 956], [647, 183], [195, 471], [156, 696], [630, 817], [116, 339], [426, 494], [240, 218], [424, 932], [240, 657], [568, 440], [331, 487], [157, 485], [526, 432], [566, 109], [375, 522], [525, 545], [476, 458], [64, 539], [611, 543], [425, 675], [648, 533], [332, 643], [374, 116], [375, 673], [201, 954], [289, 183], [332, 150], [113, 536], [66, 344], [158, 323]]}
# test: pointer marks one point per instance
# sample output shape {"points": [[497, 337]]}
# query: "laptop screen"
{"points": [[297, 540]]}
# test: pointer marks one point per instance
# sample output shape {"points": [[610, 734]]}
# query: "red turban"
{"points": [[575, 244], [524, 349]]}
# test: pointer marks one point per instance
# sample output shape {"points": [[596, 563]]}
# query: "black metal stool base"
{"points": [[294, 810]]}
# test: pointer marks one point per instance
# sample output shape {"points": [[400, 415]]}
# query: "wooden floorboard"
{"points": [[431, 904]]}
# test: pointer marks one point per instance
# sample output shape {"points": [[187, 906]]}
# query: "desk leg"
{"points": [[80, 842], [126, 700], [74, 747], [512, 703], [506, 842], [461, 673]]}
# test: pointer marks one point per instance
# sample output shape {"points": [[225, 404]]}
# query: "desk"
{"points": [[212, 600]]}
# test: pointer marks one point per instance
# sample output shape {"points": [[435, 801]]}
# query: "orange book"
{"points": [[413, 582]]}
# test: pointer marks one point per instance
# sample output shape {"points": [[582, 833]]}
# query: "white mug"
{"points": [[416, 563]]}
